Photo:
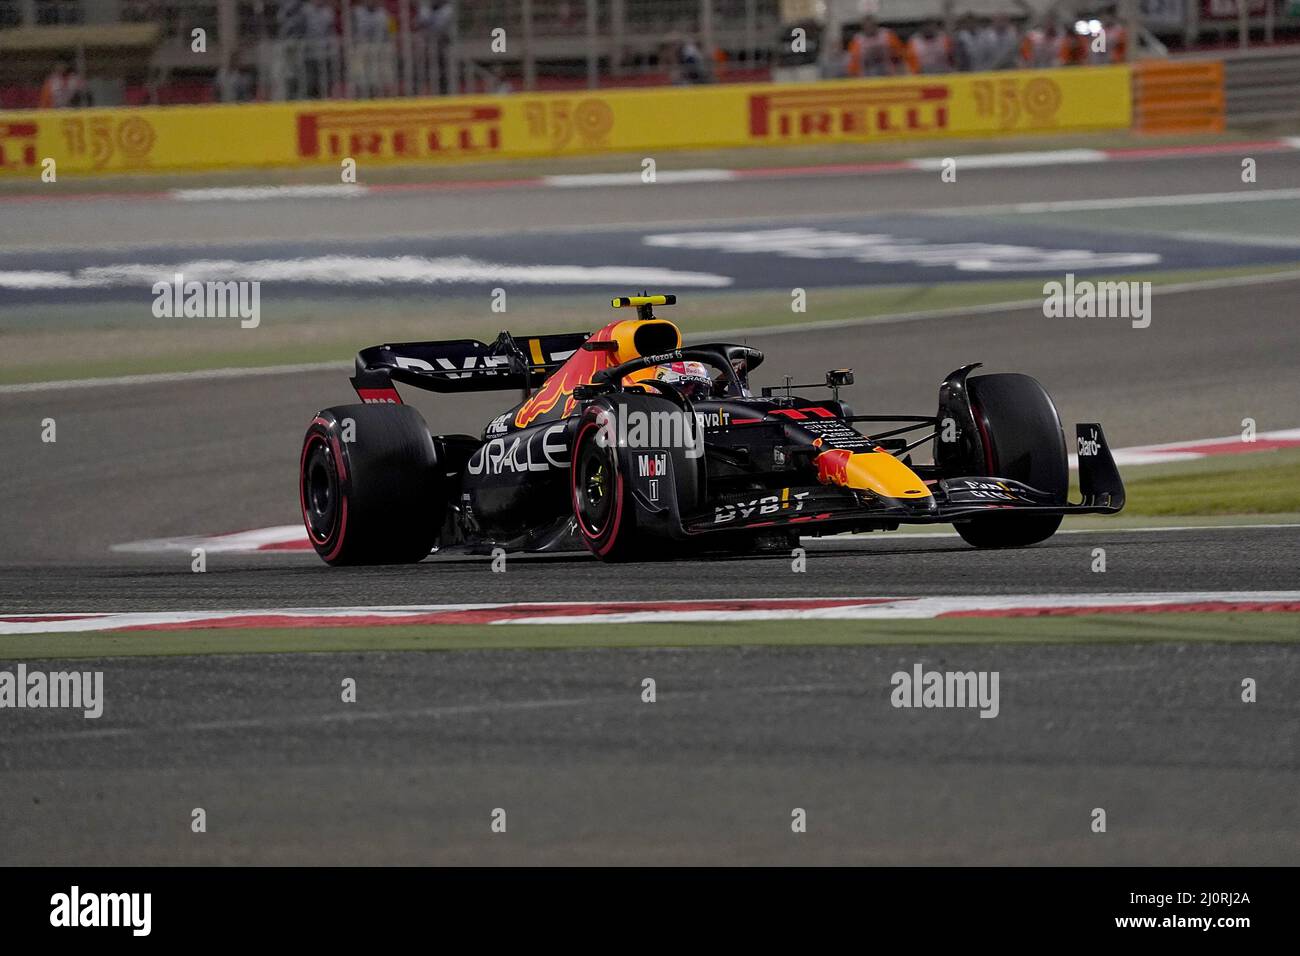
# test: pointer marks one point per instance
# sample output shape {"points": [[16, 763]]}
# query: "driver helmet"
{"points": [[691, 379]]}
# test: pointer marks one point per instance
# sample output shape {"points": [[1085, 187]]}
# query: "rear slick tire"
{"points": [[376, 498]]}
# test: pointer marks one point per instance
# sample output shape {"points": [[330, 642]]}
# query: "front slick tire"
{"points": [[373, 499], [1022, 434], [602, 501]]}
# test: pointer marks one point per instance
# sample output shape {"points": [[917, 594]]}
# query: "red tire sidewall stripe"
{"points": [[307, 445], [326, 435], [613, 524]]}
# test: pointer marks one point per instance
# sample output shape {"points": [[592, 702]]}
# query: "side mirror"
{"points": [[591, 390], [839, 377]]}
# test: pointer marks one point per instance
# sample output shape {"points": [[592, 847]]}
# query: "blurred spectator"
{"points": [[686, 61], [1077, 44], [692, 63], [232, 85], [291, 19], [875, 51], [435, 21], [436, 17], [500, 85], [930, 50], [296, 50], [1047, 46], [972, 46], [1004, 41], [320, 32], [987, 45], [369, 22], [373, 69], [64, 87], [1116, 46]]}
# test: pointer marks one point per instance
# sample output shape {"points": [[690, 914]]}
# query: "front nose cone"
{"points": [[876, 471]]}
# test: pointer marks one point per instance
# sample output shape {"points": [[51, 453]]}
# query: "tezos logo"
{"points": [[664, 358]]}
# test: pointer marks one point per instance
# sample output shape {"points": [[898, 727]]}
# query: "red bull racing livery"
{"points": [[631, 445]]}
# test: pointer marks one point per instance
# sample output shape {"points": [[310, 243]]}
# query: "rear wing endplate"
{"points": [[1099, 480]]}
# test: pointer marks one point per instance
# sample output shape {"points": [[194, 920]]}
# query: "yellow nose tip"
{"points": [[874, 471]]}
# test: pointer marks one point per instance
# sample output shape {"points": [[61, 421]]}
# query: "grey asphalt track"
{"points": [[811, 253], [1221, 559], [208, 457], [1156, 735], [215, 456], [120, 222]]}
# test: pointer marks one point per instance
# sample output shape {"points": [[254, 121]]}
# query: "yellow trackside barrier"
{"points": [[1178, 96], [470, 129]]}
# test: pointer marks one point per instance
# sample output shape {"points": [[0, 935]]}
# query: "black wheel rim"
{"points": [[595, 488], [320, 489]]}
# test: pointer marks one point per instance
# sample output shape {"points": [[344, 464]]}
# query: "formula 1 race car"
{"points": [[633, 446]]}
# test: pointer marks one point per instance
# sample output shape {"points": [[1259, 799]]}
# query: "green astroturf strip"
{"points": [[1255, 627]]}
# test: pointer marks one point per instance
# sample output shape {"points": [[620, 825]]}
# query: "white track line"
{"points": [[1009, 160], [925, 608], [238, 542], [358, 270], [1179, 199], [259, 193], [667, 177], [1054, 157]]}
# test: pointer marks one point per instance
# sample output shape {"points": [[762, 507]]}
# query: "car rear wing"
{"points": [[462, 365]]}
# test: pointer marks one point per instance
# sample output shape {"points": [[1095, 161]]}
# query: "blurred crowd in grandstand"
{"points": [[147, 51], [983, 43]]}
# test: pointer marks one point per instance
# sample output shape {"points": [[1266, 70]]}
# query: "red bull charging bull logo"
{"points": [[833, 466]]}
